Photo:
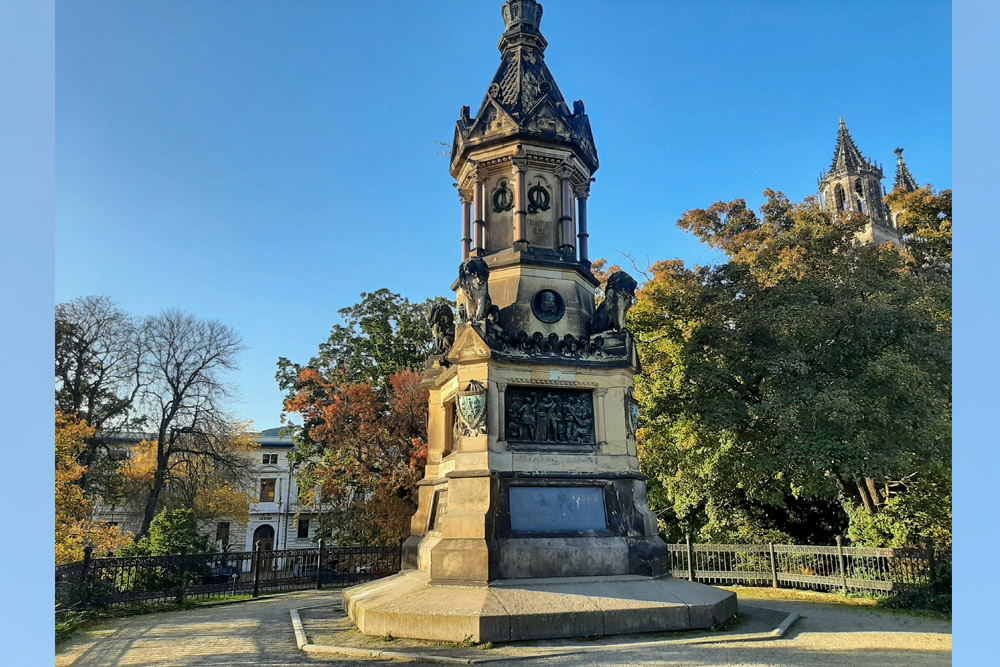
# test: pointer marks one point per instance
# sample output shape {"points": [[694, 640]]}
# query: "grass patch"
{"points": [[925, 604]]}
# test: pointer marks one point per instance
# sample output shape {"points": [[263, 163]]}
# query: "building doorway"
{"points": [[265, 536]]}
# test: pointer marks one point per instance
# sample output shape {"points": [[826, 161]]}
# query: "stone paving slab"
{"points": [[260, 633], [327, 629]]}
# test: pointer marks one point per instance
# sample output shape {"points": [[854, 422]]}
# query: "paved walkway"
{"points": [[260, 633]]}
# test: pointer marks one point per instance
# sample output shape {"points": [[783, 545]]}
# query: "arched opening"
{"points": [[265, 536], [861, 206], [838, 195]]}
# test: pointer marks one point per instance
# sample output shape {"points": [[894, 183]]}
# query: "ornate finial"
{"points": [[842, 123], [899, 153], [522, 14]]}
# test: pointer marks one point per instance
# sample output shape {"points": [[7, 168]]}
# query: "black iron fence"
{"points": [[120, 582], [813, 567]]}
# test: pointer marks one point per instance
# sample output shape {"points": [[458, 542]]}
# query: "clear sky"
{"points": [[264, 163]]}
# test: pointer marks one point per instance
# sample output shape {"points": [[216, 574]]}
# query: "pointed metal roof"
{"points": [[523, 97], [904, 179]]}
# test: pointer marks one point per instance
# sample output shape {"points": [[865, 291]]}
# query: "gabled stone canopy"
{"points": [[523, 100], [904, 179], [847, 159]]}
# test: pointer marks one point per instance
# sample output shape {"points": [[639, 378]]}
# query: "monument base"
{"points": [[407, 605]]}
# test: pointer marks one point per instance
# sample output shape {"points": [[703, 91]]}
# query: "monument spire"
{"points": [[532, 519]]}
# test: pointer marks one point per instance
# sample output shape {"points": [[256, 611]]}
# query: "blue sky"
{"points": [[264, 163]]}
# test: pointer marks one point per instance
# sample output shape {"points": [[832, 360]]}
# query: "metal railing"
{"points": [[813, 567], [120, 582]]}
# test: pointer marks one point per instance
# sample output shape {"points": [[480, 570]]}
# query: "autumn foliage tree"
{"points": [[362, 443], [800, 387], [74, 529], [361, 451]]}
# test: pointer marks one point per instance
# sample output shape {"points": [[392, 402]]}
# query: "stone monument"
{"points": [[532, 521]]}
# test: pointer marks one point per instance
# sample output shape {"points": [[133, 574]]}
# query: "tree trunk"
{"points": [[865, 498]]}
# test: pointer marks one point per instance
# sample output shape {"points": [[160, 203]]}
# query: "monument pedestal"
{"points": [[408, 605]]}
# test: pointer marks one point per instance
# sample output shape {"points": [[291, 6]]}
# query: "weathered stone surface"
{"points": [[407, 605]]}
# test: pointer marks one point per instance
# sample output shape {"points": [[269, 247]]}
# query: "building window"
{"points": [[222, 533], [838, 194], [303, 528], [267, 490], [270, 459]]}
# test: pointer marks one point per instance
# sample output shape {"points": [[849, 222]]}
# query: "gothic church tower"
{"points": [[854, 184]]}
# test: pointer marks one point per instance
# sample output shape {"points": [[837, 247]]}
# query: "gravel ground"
{"points": [[260, 633]]}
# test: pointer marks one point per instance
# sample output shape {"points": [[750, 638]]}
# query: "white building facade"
{"points": [[276, 519]]}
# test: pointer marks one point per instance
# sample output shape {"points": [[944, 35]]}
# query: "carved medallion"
{"points": [[472, 409], [503, 198], [538, 199], [548, 306], [549, 416], [631, 412]]}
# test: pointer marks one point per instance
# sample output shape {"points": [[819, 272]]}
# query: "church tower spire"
{"points": [[854, 185], [904, 179]]}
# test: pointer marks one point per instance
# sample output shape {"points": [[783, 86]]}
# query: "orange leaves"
{"points": [[364, 448], [73, 528]]}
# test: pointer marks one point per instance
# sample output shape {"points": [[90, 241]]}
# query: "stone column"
{"points": [[566, 212], [466, 199], [599, 419], [583, 236], [501, 412], [478, 195], [520, 167]]}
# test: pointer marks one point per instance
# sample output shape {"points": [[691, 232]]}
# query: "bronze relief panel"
{"points": [[549, 416]]}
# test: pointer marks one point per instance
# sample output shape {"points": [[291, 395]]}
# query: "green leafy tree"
{"points": [[925, 220], [362, 445], [801, 385], [171, 532], [382, 335]]}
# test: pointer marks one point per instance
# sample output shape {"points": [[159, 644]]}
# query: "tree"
{"points": [[211, 486], [805, 371], [362, 452], [925, 220], [74, 529], [362, 443], [171, 532], [184, 399], [383, 335], [98, 356]]}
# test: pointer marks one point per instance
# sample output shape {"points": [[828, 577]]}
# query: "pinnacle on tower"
{"points": [[904, 179], [846, 156], [522, 15]]}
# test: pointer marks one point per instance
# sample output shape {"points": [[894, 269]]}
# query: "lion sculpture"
{"points": [[474, 277], [442, 323], [619, 295]]}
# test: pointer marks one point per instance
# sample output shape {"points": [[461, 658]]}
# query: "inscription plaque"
{"points": [[557, 509], [545, 415]]}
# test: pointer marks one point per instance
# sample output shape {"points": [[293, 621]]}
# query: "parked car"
{"points": [[224, 574]]}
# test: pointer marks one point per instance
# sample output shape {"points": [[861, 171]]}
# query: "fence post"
{"points": [[842, 564], [319, 568], [774, 565], [690, 552], [256, 569], [930, 562], [84, 587], [182, 571]]}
